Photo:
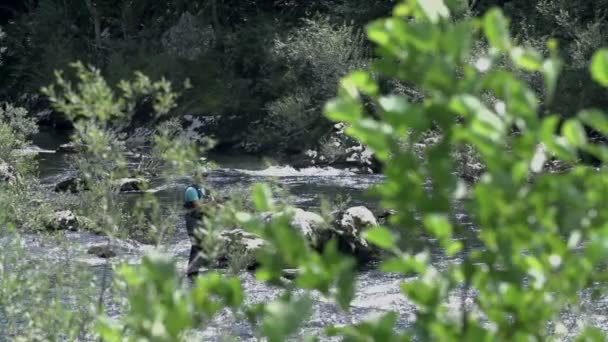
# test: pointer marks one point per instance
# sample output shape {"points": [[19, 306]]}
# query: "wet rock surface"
{"points": [[310, 225], [72, 184], [104, 251], [132, 184], [349, 227], [340, 151]]}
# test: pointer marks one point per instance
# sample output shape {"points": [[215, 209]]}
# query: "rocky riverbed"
{"points": [[377, 292]]}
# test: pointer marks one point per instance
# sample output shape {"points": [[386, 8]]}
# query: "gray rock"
{"points": [[347, 228], [73, 184], [102, 251], [350, 226], [8, 174], [311, 225], [132, 184], [62, 220], [357, 219]]}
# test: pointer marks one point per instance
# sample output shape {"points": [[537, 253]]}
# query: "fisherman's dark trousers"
{"points": [[194, 228]]}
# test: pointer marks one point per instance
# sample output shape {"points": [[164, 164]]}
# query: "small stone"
{"points": [[72, 184], [103, 251], [132, 184]]}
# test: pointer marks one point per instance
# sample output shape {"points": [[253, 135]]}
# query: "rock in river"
{"points": [[241, 246], [351, 224], [73, 184], [101, 250], [132, 184], [311, 225]]}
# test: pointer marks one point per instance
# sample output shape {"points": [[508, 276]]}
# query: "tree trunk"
{"points": [[216, 24], [92, 6]]}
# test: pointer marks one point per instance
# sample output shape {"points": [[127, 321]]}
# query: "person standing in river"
{"points": [[194, 198]]}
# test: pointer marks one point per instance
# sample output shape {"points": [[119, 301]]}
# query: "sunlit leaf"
{"points": [[496, 28], [596, 119], [574, 132], [380, 236], [599, 67]]}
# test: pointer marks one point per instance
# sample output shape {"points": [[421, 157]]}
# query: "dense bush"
{"points": [[261, 69], [314, 57]]}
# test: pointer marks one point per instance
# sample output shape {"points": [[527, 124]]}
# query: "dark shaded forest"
{"points": [[258, 72]]}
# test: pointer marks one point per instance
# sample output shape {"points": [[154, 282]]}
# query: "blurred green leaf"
{"points": [[574, 132], [551, 69], [345, 110], [526, 58], [283, 317], [262, 197], [380, 236], [596, 119], [434, 9], [496, 28], [599, 67]]}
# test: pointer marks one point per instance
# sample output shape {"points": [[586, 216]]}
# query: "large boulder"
{"points": [[311, 225], [8, 174], [349, 227], [132, 184], [72, 184], [340, 151], [62, 220]]}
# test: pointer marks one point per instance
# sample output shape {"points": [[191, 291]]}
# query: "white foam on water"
{"points": [[31, 150], [288, 171]]}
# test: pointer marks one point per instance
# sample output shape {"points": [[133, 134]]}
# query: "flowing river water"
{"points": [[377, 292]]}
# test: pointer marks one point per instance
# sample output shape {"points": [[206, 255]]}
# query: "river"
{"points": [[377, 292]]}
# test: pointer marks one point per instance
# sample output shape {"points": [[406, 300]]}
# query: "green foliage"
{"points": [[161, 308], [98, 113], [2, 47], [531, 263], [42, 299], [313, 57], [15, 129], [599, 67], [542, 236], [580, 28]]}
